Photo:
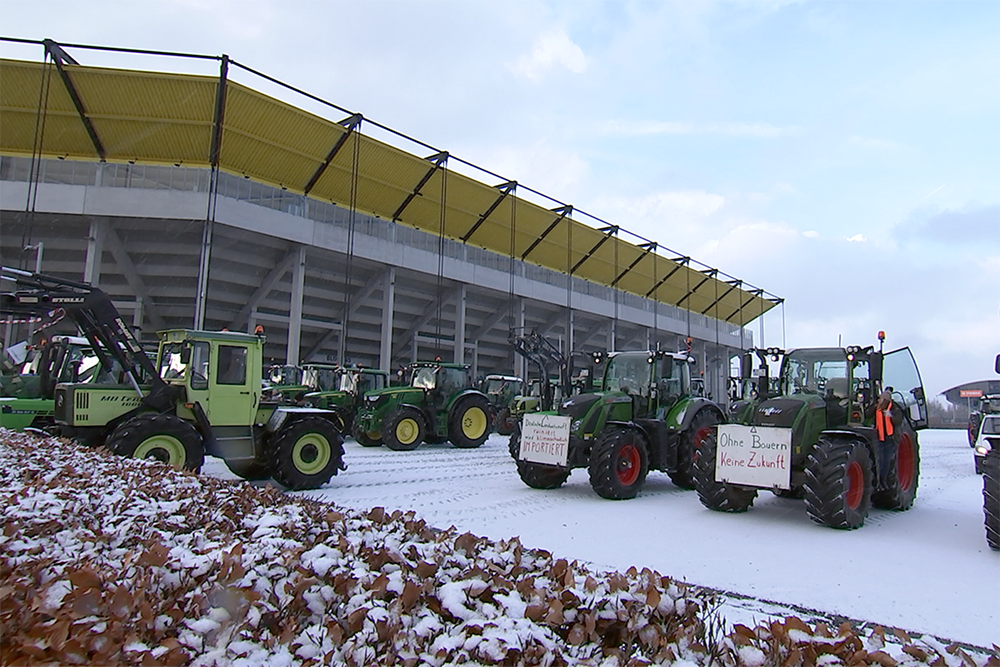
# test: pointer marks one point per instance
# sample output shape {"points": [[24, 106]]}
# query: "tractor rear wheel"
{"points": [[306, 453], [618, 464], [535, 475], [162, 437], [367, 438], [469, 422], [838, 483], [689, 442], [718, 496], [903, 474], [403, 429], [252, 471], [991, 497]]}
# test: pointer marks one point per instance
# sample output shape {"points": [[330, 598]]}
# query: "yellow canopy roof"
{"points": [[92, 113]]}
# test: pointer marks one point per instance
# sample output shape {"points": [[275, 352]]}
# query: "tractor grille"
{"points": [[778, 412]]}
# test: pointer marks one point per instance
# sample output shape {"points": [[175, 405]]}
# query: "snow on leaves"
{"points": [[105, 560]]}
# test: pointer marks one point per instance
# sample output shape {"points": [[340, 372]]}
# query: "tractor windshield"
{"points": [[810, 371], [424, 377], [628, 372], [320, 379], [286, 376]]}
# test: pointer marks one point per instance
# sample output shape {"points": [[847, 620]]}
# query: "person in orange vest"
{"points": [[883, 415]]}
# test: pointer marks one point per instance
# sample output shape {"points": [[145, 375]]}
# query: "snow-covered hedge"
{"points": [[105, 560]]}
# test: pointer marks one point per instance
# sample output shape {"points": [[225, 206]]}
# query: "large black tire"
{"points": [[403, 429], [718, 496], [469, 422], [619, 463], [306, 453], [838, 483], [991, 497], [535, 475], [367, 438], [252, 471], [903, 474], [504, 422], [163, 437], [688, 443]]}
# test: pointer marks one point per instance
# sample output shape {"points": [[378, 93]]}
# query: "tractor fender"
{"points": [[462, 394], [848, 435], [680, 416], [287, 414]]}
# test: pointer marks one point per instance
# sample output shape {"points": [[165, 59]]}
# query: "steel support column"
{"points": [[460, 311], [295, 308], [388, 304]]}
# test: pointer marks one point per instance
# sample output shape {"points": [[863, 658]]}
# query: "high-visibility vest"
{"points": [[883, 423]]}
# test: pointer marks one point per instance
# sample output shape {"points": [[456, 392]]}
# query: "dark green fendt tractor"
{"points": [[439, 403], [826, 438], [644, 416]]}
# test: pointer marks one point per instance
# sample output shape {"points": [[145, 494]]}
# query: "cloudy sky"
{"points": [[844, 156]]}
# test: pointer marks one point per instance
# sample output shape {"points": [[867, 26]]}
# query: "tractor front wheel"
{"points": [[535, 475], [718, 496], [469, 422], [838, 483], [618, 464], [903, 474], [306, 454], [991, 497], [367, 438], [403, 430], [162, 437], [689, 442]]}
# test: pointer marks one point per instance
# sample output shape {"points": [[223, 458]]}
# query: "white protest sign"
{"points": [[754, 456], [545, 439]]}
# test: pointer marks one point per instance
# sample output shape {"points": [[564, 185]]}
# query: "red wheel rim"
{"points": [[855, 485], [906, 463], [628, 465], [700, 435]]}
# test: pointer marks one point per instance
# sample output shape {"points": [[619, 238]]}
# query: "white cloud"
{"points": [[552, 49], [811, 234], [857, 238], [732, 129]]}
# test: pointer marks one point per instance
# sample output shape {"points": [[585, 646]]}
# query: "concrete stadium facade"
{"points": [[374, 293]]}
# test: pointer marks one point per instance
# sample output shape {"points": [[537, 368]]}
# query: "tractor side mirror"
{"points": [[875, 363], [996, 364], [186, 355]]}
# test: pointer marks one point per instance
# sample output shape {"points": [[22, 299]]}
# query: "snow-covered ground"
{"points": [[927, 570]]}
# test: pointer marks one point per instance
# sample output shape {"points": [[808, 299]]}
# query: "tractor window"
{"points": [[172, 363], [232, 365], [349, 383], [423, 376], [451, 380], [371, 381], [628, 373], [899, 371], [810, 371]]}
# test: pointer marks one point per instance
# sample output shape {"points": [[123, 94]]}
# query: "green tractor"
{"points": [[202, 395], [842, 434], [346, 393], [26, 391], [290, 384], [502, 390], [644, 416], [439, 403]]}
